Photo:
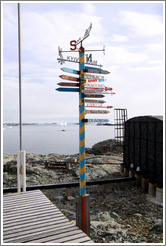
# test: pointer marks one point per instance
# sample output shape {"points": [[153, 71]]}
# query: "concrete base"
{"points": [[79, 214], [122, 168], [126, 172], [159, 194], [152, 189], [145, 184], [131, 173], [138, 179]]}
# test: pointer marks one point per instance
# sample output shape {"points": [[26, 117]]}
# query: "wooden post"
{"points": [[79, 214]]}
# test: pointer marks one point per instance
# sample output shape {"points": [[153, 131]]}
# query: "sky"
{"points": [[133, 35]]}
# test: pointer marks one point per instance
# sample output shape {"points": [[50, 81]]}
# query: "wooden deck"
{"points": [[30, 217]]}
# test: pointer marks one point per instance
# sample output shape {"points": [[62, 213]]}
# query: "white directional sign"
{"points": [[97, 111]]}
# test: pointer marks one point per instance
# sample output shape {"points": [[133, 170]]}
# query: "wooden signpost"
{"points": [[85, 90]]}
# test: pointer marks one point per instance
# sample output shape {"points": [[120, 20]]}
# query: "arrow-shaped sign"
{"points": [[93, 95], [68, 84], [66, 89], [97, 106], [93, 76], [94, 101], [69, 70], [95, 120], [69, 78], [95, 80], [96, 86], [96, 71], [97, 111]]}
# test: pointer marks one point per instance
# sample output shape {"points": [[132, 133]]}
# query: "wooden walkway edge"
{"points": [[30, 217]]}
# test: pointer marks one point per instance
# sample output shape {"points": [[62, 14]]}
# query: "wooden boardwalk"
{"points": [[30, 217]]}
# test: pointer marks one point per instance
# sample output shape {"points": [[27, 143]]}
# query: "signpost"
{"points": [[86, 90]]}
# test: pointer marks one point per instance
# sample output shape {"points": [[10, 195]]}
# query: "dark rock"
{"points": [[107, 146], [158, 226]]}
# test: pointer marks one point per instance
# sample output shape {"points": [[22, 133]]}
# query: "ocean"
{"points": [[51, 138]]}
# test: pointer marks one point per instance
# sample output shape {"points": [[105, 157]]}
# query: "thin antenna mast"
{"points": [[19, 55]]}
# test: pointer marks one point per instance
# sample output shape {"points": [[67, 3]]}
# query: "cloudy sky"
{"points": [[132, 32]]}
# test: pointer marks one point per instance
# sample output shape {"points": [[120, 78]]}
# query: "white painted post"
{"points": [[18, 173], [21, 171]]}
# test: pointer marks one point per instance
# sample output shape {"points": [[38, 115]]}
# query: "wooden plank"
{"points": [[36, 224], [24, 199], [64, 235], [23, 239], [81, 240], [25, 206], [17, 219], [31, 210], [17, 195], [48, 238], [5, 206], [31, 217], [29, 231], [70, 238], [8, 195], [27, 221]]}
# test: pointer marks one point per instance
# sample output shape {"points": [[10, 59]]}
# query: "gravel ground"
{"points": [[119, 213]]}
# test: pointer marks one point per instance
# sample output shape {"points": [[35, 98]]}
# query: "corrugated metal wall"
{"points": [[143, 146]]}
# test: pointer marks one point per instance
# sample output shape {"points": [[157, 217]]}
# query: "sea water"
{"points": [[59, 139]]}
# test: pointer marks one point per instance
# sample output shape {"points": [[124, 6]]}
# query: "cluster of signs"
{"points": [[93, 82]]}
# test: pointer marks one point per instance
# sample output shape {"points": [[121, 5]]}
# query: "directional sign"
{"points": [[96, 86], [68, 84], [94, 101], [98, 68], [66, 89], [92, 90], [93, 76], [97, 106], [96, 71], [95, 80], [69, 78], [97, 111], [95, 120], [93, 95], [69, 70], [96, 90]]}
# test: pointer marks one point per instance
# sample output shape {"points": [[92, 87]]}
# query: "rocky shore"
{"points": [[119, 213]]}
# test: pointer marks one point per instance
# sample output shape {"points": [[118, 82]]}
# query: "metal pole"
{"points": [[19, 54], [82, 138]]}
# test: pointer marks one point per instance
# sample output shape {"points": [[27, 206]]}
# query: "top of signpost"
{"points": [[87, 32]]}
